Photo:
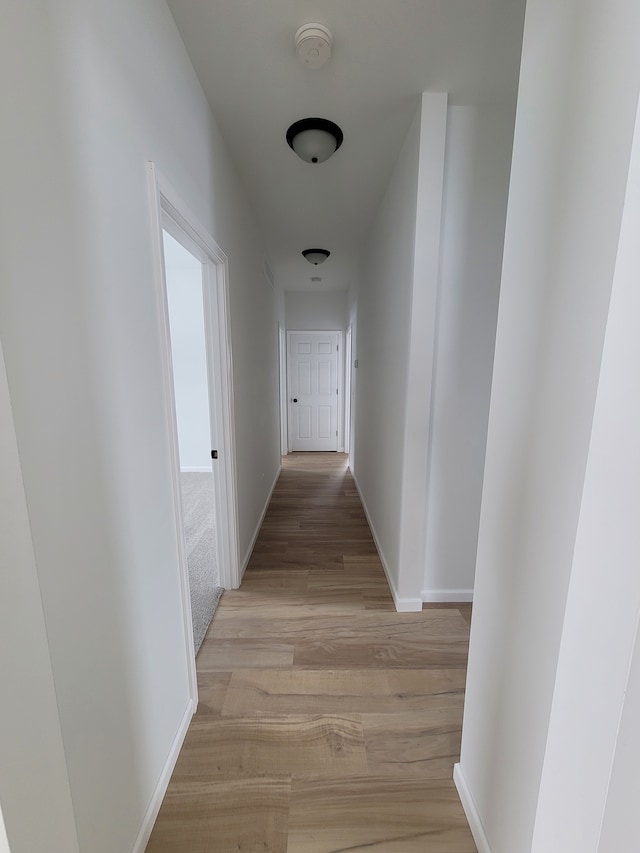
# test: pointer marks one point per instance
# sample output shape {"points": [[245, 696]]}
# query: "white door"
{"points": [[313, 390]]}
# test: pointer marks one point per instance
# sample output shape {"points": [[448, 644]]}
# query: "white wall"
{"points": [[352, 322], [476, 181], [620, 829], [578, 94], [91, 92], [321, 312], [603, 604], [396, 327], [382, 352], [422, 331], [188, 357], [31, 749], [449, 288]]}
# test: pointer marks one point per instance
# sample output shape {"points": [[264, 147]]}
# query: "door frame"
{"points": [[169, 213], [284, 396], [347, 390], [339, 380]]}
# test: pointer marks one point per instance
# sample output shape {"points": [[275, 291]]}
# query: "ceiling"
{"points": [[385, 53]]}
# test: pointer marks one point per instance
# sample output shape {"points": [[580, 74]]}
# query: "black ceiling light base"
{"points": [[314, 139], [316, 256]]}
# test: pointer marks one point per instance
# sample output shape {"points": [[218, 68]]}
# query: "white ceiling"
{"points": [[386, 52]]}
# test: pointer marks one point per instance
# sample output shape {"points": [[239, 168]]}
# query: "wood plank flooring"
{"points": [[327, 722]]}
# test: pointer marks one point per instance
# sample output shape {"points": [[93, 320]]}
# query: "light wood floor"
{"points": [[327, 722]]}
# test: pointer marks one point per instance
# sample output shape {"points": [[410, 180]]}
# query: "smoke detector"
{"points": [[313, 45]]}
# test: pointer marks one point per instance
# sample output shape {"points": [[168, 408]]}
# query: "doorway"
{"points": [[314, 386], [172, 219], [183, 275]]}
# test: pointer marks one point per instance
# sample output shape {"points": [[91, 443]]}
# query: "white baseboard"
{"points": [[470, 810], [447, 595], [163, 782], [406, 605], [247, 556], [403, 605], [197, 470]]}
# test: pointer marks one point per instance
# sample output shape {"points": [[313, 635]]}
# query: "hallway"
{"points": [[326, 721]]}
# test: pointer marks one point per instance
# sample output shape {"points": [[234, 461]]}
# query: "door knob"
{"points": [[295, 399]]}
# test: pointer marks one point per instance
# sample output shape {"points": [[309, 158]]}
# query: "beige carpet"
{"points": [[200, 539]]}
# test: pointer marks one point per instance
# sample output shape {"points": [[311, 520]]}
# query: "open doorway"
{"points": [[183, 273], [215, 437]]}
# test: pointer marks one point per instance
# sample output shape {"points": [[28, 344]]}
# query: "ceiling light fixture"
{"points": [[314, 139], [316, 256], [315, 278], [313, 45]]}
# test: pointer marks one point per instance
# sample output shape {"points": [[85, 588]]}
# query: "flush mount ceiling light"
{"points": [[315, 279], [316, 256], [313, 45], [314, 139]]}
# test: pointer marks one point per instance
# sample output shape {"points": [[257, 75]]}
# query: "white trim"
{"points": [[403, 605], [346, 366], [163, 782], [183, 226], [174, 456], [4, 841], [196, 470], [340, 380], [282, 376], [249, 551], [220, 367], [447, 595], [470, 810]]}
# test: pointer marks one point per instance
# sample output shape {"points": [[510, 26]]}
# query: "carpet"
{"points": [[200, 541]]}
